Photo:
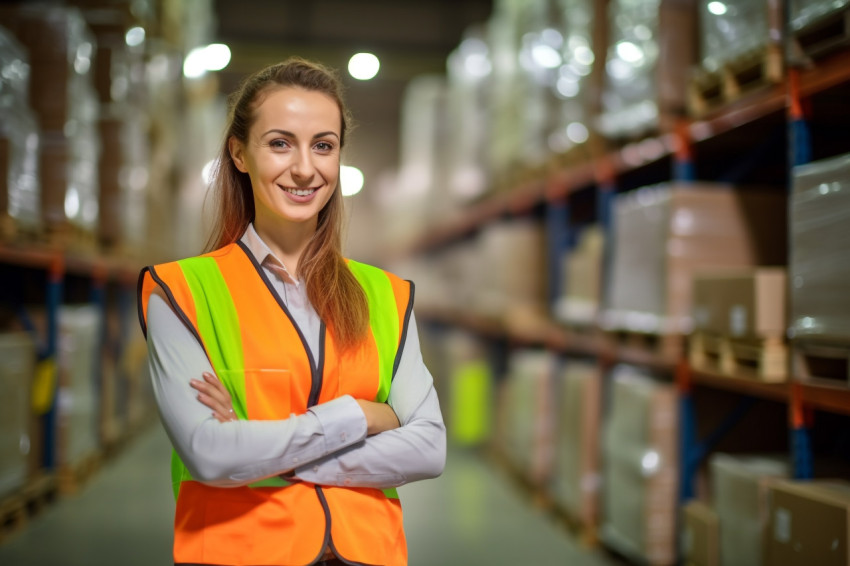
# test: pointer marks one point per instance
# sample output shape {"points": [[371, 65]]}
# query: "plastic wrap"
{"points": [[470, 390], [732, 28], [527, 414], [17, 367], [739, 491], [629, 98], [641, 468], [663, 234], [78, 405], [19, 139], [804, 12], [571, 79], [579, 300], [820, 246], [700, 535], [576, 479], [62, 94]]}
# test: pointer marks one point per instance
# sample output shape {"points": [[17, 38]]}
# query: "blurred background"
{"points": [[627, 222]]}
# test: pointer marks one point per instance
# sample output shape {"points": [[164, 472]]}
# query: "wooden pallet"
{"points": [[822, 363], [637, 346], [72, 477], [25, 503], [824, 35], [763, 359], [708, 90]]}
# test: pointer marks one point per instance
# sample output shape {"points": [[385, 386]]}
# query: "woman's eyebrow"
{"points": [[291, 135]]}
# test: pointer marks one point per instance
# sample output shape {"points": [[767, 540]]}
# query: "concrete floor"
{"points": [[471, 516]]}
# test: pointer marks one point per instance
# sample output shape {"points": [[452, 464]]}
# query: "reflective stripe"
{"points": [[383, 320]]}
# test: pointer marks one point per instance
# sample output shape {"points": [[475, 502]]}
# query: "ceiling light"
{"points": [[363, 66], [351, 180], [213, 57]]}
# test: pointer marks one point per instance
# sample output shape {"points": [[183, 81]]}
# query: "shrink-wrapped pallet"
{"points": [[650, 49], [19, 140], [804, 12], [580, 296], [17, 367], [641, 471], [78, 402], [527, 414], [61, 49], [809, 524], [576, 478], [740, 494], [663, 234], [741, 303], [469, 394], [820, 246], [735, 28]]}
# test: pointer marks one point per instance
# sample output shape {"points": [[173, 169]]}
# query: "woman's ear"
{"points": [[234, 146]]}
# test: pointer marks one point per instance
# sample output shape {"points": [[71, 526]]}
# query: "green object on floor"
{"points": [[471, 399]]}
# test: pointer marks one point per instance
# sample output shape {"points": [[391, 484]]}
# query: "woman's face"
{"points": [[291, 155]]}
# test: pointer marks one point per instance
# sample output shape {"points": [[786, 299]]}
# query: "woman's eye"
{"points": [[278, 144], [324, 146]]}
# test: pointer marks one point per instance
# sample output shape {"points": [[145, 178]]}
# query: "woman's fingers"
{"points": [[212, 393]]}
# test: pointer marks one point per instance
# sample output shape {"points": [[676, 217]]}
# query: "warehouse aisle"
{"points": [[470, 516]]}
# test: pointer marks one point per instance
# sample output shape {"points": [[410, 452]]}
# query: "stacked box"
{"points": [[580, 297], [809, 524], [736, 28], [576, 479], [664, 234], [78, 406], [701, 535], [469, 392], [650, 50], [526, 419], [61, 51], [511, 285], [19, 140], [640, 468], [746, 303], [740, 487], [17, 367], [820, 244]]}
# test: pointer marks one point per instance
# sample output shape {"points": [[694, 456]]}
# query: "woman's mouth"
{"points": [[299, 192]]}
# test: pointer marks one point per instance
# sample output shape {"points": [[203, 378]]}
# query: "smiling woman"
{"points": [[284, 372]]}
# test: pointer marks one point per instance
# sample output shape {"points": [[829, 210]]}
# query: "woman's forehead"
{"points": [[299, 106]]}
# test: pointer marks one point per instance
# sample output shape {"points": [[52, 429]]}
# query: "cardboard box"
{"points": [[700, 535], [582, 279], [808, 524], [665, 233], [641, 468], [577, 478], [740, 487], [748, 303]]}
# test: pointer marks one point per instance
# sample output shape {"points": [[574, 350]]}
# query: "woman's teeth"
{"points": [[300, 192]]}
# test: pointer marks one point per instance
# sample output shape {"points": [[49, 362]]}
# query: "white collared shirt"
{"points": [[327, 445]]}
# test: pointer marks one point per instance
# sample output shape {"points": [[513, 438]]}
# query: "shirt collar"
{"points": [[263, 254]]}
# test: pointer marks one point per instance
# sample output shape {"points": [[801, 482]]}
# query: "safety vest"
{"points": [[260, 355]]}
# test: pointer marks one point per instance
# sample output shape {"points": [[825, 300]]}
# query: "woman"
{"points": [[321, 404]]}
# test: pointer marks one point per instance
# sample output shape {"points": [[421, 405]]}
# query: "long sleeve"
{"points": [[414, 451], [240, 452]]}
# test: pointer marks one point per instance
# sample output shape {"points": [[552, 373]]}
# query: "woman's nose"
{"points": [[303, 168]]}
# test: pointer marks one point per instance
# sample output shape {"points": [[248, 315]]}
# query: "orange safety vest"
{"points": [[262, 358]]}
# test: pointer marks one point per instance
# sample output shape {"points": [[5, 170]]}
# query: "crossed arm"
{"points": [[343, 442]]}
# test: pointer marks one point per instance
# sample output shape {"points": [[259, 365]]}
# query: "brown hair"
{"points": [[332, 288]]}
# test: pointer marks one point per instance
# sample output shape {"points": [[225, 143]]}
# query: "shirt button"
{"points": [[316, 469], [343, 436], [347, 481], [295, 460]]}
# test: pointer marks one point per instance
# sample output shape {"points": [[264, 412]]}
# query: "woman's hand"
{"points": [[380, 417], [213, 394]]}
